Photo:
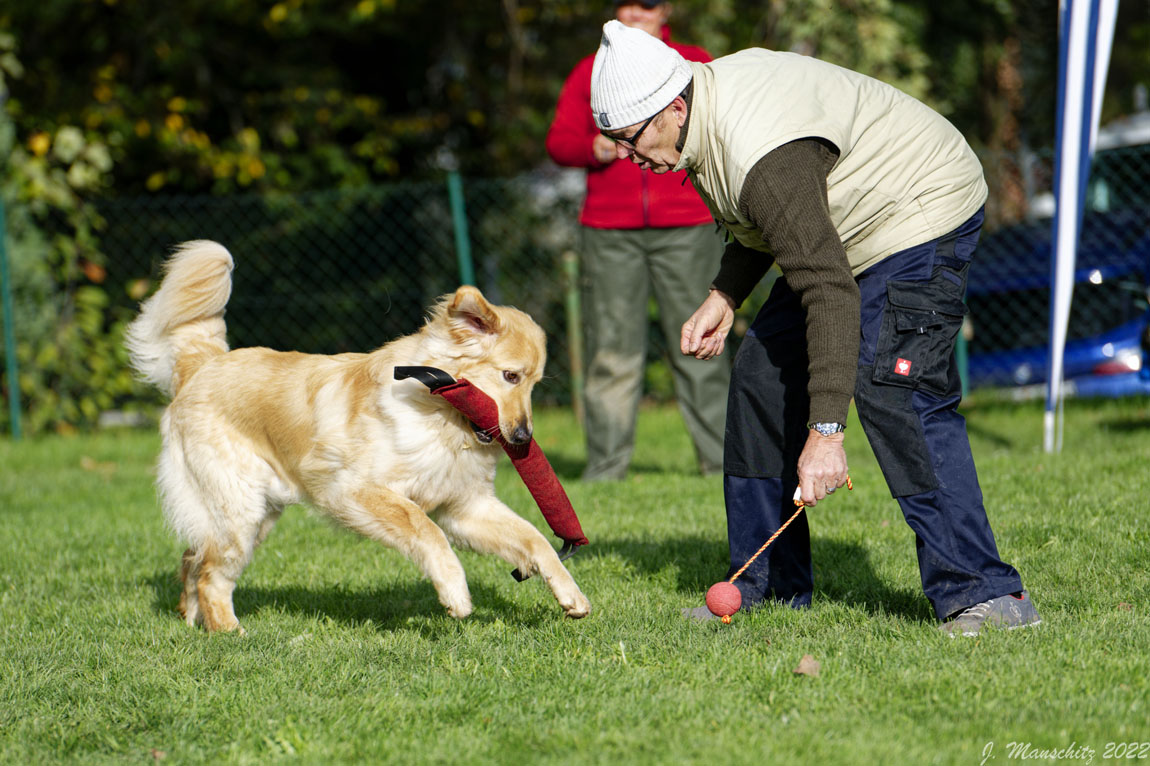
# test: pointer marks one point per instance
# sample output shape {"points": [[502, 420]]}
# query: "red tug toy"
{"points": [[528, 459]]}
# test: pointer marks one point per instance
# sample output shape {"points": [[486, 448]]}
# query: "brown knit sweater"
{"points": [[785, 196]]}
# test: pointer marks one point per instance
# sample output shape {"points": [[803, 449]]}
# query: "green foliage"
{"points": [[78, 371], [206, 96], [210, 96], [69, 354], [350, 659]]}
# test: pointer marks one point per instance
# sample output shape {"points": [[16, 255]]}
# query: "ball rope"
{"points": [[801, 505]]}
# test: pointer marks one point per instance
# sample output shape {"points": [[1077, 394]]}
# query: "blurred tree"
{"points": [[881, 38], [220, 95], [215, 96]]}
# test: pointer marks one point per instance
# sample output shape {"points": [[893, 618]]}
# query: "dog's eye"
{"points": [[511, 377]]}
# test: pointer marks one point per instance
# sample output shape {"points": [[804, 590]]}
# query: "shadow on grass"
{"points": [[387, 609], [571, 469], [566, 468], [697, 561], [641, 467], [975, 430], [843, 571], [844, 574], [1127, 425]]}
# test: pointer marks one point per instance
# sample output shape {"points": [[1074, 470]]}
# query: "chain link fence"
{"points": [[1009, 287], [348, 270]]}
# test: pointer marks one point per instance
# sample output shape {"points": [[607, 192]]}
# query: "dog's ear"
{"points": [[471, 314]]}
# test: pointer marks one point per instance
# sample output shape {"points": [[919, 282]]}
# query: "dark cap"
{"points": [[644, 3]]}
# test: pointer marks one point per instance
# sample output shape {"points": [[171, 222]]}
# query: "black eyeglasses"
{"points": [[635, 137]]}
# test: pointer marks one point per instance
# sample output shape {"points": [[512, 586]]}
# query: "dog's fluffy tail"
{"points": [[182, 325]]}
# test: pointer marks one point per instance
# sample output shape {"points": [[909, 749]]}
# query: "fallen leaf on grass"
{"points": [[1124, 605], [158, 755], [808, 666]]}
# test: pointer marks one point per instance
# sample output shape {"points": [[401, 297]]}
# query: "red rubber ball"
{"points": [[724, 599]]}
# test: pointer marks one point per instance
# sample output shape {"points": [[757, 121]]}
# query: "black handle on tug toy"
{"points": [[528, 459]]}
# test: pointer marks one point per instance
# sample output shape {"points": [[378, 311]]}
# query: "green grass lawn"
{"points": [[350, 658]]}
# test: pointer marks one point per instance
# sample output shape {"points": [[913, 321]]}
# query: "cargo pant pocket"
{"points": [[920, 324]]}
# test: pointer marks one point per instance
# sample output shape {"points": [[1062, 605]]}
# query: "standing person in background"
{"points": [[639, 231]]}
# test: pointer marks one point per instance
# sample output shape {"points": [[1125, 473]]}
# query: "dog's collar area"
{"points": [[435, 379]]}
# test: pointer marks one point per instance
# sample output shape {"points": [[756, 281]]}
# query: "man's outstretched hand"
{"points": [[705, 333]]}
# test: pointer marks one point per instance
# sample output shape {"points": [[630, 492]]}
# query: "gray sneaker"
{"points": [[1008, 612]]}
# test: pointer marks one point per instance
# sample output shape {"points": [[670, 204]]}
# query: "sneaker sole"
{"points": [[964, 634]]}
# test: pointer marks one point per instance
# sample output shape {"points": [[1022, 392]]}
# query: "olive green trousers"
{"points": [[621, 269]]}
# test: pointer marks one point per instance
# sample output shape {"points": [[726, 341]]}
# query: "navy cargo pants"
{"points": [[906, 396]]}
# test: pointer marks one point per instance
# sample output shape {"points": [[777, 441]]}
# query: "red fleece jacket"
{"points": [[619, 194]]}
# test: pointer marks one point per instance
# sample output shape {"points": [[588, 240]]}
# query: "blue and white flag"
{"points": [[1086, 33]]}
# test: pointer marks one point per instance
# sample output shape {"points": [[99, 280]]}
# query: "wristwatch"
{"points": [[826, 429]]}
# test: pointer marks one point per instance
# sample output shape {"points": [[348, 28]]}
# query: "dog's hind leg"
{"points": [[487, 525], [209, 576], [393, 520], [209, 580], [219, 568], [189, 599], [221, 518]]}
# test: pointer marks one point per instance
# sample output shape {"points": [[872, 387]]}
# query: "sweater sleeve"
{"points": [[740, 270], [785, 196], [571, 137]]}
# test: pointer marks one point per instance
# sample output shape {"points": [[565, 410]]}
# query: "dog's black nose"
{"points": [[521, 435]]}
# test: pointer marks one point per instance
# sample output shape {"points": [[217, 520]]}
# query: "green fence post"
{"points": [[9, 333], [574, 331], [459, 222]]}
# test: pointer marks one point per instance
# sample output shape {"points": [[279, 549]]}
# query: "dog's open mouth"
{"points": [[481, 435]]}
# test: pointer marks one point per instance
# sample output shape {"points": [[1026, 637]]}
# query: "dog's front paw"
{"points": [[578, 608], [459, 608], [459, 612]]}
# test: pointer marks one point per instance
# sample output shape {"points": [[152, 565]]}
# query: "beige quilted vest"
{"points": [[904, 174]]}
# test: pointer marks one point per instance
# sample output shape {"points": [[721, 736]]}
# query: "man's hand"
{"points": [[822, 466], [604, 149], [705, 333]]}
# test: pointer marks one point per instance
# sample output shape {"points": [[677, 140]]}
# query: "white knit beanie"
{"points": [[634, 77]]}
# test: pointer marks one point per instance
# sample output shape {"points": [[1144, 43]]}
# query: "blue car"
{"points": [[1108, 340]]}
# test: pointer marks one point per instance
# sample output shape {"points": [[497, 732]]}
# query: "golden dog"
{"points": [[250, 431]]}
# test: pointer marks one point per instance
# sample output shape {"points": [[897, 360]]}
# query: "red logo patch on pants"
{"points": [[902, 366]]}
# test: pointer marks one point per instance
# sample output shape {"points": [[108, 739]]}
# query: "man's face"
{"points": [[654, 147], [650, 20]]}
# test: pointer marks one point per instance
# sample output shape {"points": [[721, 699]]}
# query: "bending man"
{"points": [[871, 205]]}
